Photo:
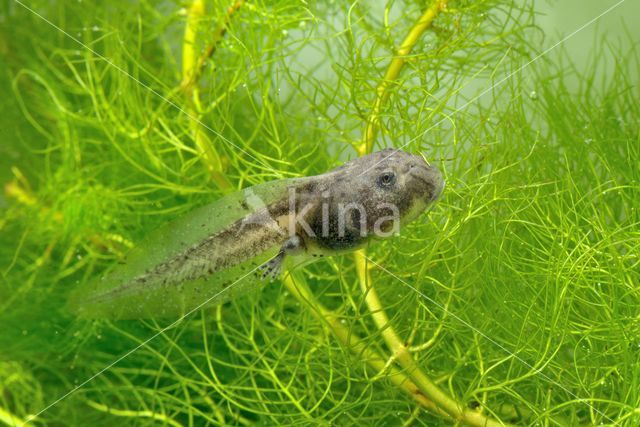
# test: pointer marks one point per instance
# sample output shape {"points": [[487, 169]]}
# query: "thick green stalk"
{"points": [[9, 419], [393, 71], [191, 69], [400, 351], [356, 344]]}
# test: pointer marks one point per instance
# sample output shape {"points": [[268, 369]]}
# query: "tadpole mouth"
{"points": [[431, 177], [439, 188]]}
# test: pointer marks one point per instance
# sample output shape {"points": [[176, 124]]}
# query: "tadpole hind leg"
{"points": [[272, 268]]}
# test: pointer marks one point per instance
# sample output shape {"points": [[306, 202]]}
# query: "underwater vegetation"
{"points": [[515, 301]]}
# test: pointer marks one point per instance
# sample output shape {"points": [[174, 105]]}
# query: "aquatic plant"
{"points": [[515, 301]]}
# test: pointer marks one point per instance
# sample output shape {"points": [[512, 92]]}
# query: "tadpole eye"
{"points": [[387, 179]]}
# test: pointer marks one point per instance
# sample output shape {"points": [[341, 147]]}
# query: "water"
{"points": [[517, 292]]}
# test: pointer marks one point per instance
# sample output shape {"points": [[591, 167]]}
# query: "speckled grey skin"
{"points": [[373, 183], [342, 209], [337, 211]]}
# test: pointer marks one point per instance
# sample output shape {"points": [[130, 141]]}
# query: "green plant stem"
{"points": [[197, 64], [393, 71], [125, 413], [192, 65], [400, 351], [11, 420], [453, 408], [356, 344]]}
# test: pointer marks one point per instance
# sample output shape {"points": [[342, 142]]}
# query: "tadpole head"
{"points": [[395, 177]]}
